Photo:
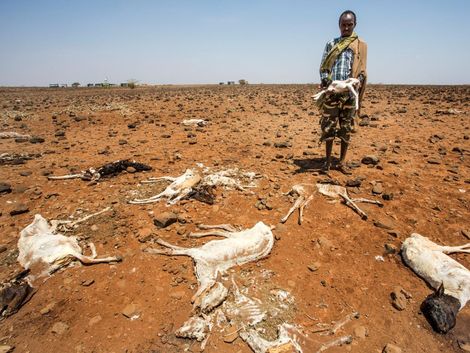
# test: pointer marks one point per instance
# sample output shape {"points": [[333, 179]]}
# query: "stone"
{"points": [[387, 196], [131, 170], [398, 299], [88, 282], [5, 188], [19, 209], [94, 320], [383, 224], [177, 295], [354, 183], [6, 348], [465, 233], [281, 144], [3, 248], [231, 334], [391, 348], [283, 348], [36, 139], [47, 309], [433, 161], [465, 346], [360, 332], [165, 219], [130, 311], [314, 267], [370, 159], [377, 189], [59, 328], [390, 248]]}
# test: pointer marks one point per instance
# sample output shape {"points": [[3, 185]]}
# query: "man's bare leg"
{"points": [[328, 150], [342, 158]]}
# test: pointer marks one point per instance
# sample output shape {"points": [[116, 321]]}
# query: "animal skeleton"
{"points": [[192, 122], [194, 180], [12, 134], [340, 87], [107, 170], [305, 193], [41, 247], [451, 279], [217, 256]]}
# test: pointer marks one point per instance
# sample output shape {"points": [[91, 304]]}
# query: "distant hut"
{"points": [[124, 84], [221, 83], [230, 82], [90, 85], [75, 84], [243, 82], [53, 85]]}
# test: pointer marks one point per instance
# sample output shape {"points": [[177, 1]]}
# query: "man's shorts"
{"points": [[337, 109]]}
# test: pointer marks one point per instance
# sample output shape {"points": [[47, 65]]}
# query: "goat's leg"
{"points": [[374, 202], [356, 96], [156, 180], [64, 177], [227, 227], [295, 206], [217, 233], [88, 260], [337, 342], [171, 249], [351, 203], [456, 249], [301, 208]]}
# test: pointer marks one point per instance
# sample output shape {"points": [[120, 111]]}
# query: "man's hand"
{"points": [[325, 82]]}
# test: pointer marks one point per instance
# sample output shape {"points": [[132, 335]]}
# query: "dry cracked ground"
{"points": [[333, 264]]}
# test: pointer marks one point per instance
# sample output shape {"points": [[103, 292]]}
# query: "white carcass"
{"points": [[43, 251], [450, 279], [351, 84], [217, 256], [194, 122]]}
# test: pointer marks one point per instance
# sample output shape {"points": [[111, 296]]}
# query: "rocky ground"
{"points": [[334, 264]]}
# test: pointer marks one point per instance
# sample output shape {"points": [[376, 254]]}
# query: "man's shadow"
{"points": [[309, 165]]}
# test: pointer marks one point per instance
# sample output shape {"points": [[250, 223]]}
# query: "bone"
{"points": [[334, 191], [343, 322], [194, 328], [68, 225], [448, 277], [260, 345], [12, 134], [40, 247], [217, 256], [226, 227], [337, 342], [194, 122], [304, 193]]}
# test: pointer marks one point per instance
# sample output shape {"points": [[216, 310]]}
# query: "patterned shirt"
{"points": [[341, 69]]}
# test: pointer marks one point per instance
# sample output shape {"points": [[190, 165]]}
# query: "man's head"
{"points": [[347, 22]]}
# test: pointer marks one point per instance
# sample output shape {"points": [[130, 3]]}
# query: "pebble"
{"points": [[314, 267], [377, 189], [383, 224], [6, 349], [391, 348], [370, 159], [177, 295], [231, 334], [390, 249], [354, 182], [165, 219], [59, 328], [434, 161], [36, 139], [398, 299], [5, 188], [47, 309], [131, 170], [360, 332], [88, 282], [19, 209], [129, 311], [94, 320], [465, 233]]}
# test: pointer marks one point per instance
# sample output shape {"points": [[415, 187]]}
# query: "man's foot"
{"points": [[325, 168], [343, 169]]}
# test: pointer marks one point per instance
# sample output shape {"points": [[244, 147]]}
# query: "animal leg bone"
{"points": [[64, 177], [227, 227], [301, 208], [456, 249], [156, 180], [351, 203], [374, 202], [68, 224], [295, 206], [336, 342], [218, 233]]}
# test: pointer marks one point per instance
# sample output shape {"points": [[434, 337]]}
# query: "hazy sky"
{"points": [[207, 41]]}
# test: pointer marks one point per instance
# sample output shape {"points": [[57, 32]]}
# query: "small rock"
{"points": [[390, 249], [370, 159], [283, 348], [383, 224], [434, 161], [377, 189], [314, 267], [122, 142], [465, 346], [88, 282], [281, 144], [19, 209], [36, 139], [391, 348], [47, 309], [177, 295], [131, 170], [354, 183], [387, 196], [130, 311], [5, 188], [3, 248], [398, 299], [465, 233], [165, 219], [360, 332], [94, 320], [59, 328], [6, 349], [231, 335], [94, 228]]}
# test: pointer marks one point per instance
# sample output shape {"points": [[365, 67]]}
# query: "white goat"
{"points": [[41, 248], [451, 279], [340, 87]]}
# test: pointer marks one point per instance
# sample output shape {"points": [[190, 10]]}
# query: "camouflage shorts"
{"points": [[337, 109]]}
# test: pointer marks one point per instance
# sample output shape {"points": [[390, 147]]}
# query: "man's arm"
{"points": [[325, 82]]}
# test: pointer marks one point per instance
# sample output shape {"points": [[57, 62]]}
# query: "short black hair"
{"points": [[348, 12]]}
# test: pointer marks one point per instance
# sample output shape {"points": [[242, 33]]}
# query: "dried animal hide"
{"points": [[105, 171], [12, 134], [43, 251], [17, 158], [450, 279], [14, 294]]}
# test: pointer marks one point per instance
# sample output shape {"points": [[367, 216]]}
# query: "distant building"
{"points": [[243, 82], [90, 85], [124, 84], [221, 83], [230, 82], [75, 84], [64, 85], [53, 85], [98, 85]]}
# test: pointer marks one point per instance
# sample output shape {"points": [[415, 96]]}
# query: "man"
{"points": [[344, 57]]}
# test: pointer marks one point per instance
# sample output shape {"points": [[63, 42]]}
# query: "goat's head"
{"points": [[441, 310]]}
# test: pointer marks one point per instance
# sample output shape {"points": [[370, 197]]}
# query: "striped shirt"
{"points": [[341, 69]]}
